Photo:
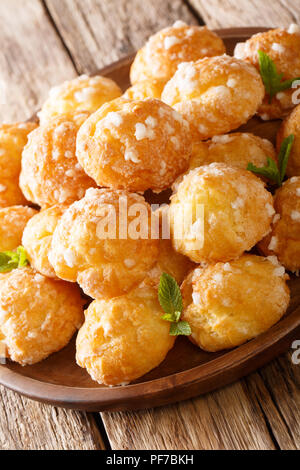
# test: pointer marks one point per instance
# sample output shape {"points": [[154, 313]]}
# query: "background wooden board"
{"points": [[43, 43], [220, 13], [99, 32], [32, 57], [25, 424]]}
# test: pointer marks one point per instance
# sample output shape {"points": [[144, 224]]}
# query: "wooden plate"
{"points": [[187, 371]]}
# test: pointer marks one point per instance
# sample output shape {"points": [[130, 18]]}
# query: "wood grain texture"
{"points": [[227, 13], [293, 8], [225, 419], [98, 32], [27, 425], [261, 411], [282, 380], [32, 58]]}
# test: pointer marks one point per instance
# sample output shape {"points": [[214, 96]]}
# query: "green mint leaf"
{"points": [[169, 294], [268, 73], [284, 153], [10, 260], [23, 260], [170, 299], [180, 328], [177, 316], [270, 171], [271, 78], [169, 317], [4, 263], [287, 84]]}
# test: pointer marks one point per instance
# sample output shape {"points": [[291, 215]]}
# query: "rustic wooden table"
{"points": [[44, 42]]}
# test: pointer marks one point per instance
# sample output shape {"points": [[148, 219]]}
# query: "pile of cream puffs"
{"points": [[171, 130]]}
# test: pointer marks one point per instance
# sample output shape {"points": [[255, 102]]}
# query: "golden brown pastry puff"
{"points": [[37, 238], [50, 172], [227, 304], [13, 220], [236, 149], [219, 212], [107, 254], [282, 47], [13, 138], [215, 94], [83, 93], [284, 239], [123, 338], [151, 88], [39, 316], [169, 261], [134, 145], [291, 125], [165, 50]]}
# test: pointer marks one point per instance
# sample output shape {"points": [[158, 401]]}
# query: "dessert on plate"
{"points": [[76, 211]]}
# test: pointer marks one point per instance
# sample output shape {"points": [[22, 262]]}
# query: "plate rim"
{"points": [[163, 390], [113, 398]]}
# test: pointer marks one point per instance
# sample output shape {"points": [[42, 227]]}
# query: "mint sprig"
{"points": [[170, 299], [270, 77], [272, 171], [10, 260]]}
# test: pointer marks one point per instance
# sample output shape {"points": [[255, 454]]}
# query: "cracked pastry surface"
{"points": [[165, 50], [37, 238], [218, 212], [236, 149], [93, 247], [151, 88], [50, 171], [123, 338], [39, 316], [227, 304], [134, 145], [13, 138], [169, 261], [215, 94], [282, 46], [284, 239], [83, 93], [13, 221]]}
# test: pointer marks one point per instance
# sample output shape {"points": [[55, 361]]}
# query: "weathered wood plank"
{"points": [[282, 381], [293, 8], [258, 412], [32, 58], [98, 32], [230, 13], [27, 425], [225, 419]]}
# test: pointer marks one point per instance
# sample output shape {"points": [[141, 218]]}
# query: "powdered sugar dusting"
{"points": [[273, 244], [70, 258], [295, 215], [196, 298], [114, 118], [170, 41], [293, 29], [131, 155], [143, 132], [278, 48]]}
